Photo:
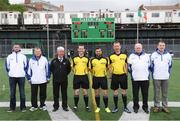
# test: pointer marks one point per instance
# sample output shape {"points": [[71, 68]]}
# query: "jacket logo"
{"points": [[103, 62], [84, 61], [122, 58]]}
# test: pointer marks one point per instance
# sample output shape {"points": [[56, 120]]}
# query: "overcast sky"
{"points": [[103, 4]]}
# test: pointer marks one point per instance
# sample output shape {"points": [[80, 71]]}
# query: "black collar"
{"points": [[118, 54], [99, 58]]}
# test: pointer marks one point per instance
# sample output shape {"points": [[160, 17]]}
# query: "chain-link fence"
{"points": [[149, 45]]}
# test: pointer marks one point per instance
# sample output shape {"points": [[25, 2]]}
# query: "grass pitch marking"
{"points": [[141, 115], [97, 116], [59, 115]]}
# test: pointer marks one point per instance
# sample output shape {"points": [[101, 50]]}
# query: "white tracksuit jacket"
{"points": [[161, 65], [16, 64], [38, 71], [139, 66]]}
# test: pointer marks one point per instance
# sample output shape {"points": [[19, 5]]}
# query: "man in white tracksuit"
{"points": [[161, 62], [39, 74], [16, 66], [139, 67]]}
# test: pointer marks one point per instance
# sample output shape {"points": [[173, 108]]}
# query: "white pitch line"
{"points": [[59, 115], [141, 115]]}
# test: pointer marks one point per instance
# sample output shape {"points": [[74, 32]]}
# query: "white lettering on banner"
{"points": [[92, 19], [27, 51]]}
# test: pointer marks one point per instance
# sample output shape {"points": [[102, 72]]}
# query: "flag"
{"points": [[139, 12], [145, 16]]}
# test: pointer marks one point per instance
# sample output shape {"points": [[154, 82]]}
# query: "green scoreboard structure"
{"points": [[93, 30]]}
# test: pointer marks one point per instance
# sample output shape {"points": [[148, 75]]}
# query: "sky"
{"points": [[77, 5]]}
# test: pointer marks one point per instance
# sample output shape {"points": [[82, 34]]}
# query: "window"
{"points": [[111, 15], [168, 14], [107, 15], [73, 15], [86, 15], [48, 16], [179, 14], [36, 16], [92, 15], [4, 16], [15, 16], [130, 15], [155, 15], [97, 15], [117, 15], [61, 15], [29, 15]]}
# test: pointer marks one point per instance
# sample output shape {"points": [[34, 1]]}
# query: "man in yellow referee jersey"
{"points": [[80, 64], [98, 67], [118, 69]]}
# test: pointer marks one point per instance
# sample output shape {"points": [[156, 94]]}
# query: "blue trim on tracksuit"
{"points": [[6, 66]]}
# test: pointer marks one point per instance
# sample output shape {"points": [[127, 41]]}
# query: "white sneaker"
{"points": [[44, 108], [33, 109]]}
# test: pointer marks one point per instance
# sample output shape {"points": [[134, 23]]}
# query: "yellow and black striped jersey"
{"points": [[99, 66], [118, 63], [80, 65]]}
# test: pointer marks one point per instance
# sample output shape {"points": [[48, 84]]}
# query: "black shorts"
{"points": [[81, 81], [119, 80], [100, 82]]}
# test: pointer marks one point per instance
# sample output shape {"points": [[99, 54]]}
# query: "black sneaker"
{"points": [[55, 109], [115, 110], [65, 109], [136, 110], [146, 110], [126, 110], [88, 109], [75, 108]]}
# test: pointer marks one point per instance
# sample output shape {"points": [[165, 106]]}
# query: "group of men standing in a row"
{"points": [[139, 64]]}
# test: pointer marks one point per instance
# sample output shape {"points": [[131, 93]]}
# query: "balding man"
{"points": [[138, 66], [60, 68]]}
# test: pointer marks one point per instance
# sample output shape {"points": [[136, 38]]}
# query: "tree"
{"points": [[6, 6], [3, 6], [17, 7], [5, 2]]}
